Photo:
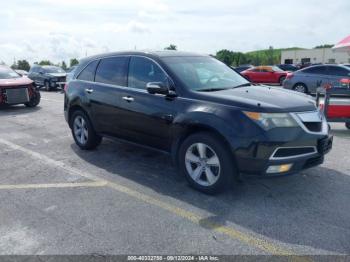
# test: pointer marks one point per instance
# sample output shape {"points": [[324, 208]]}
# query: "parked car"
{"points": [[287, 67], [242, 68], [70, 73], [308, 79], [347, 65], [214, 123], [49, 77], [265, 74], [15, 89], [22, 72]]}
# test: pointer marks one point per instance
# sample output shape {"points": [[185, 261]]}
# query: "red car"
{"points": [[15, 89], [265, 74]]}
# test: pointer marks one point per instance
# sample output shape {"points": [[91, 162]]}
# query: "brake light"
{"points": [[65, 87], [289, 75]]}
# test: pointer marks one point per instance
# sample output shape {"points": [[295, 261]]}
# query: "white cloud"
{"points": [[57, 30]]}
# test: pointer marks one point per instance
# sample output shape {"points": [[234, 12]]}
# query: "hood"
{"points": [[57, 74], [263, 99], [15, 82]]}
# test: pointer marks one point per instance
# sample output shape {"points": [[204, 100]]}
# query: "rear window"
{"points": [[8, 73], [112, 71], [88, 73], [338, 71]]}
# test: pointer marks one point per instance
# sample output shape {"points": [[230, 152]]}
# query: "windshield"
{"points": [[8, 73], [204, 73], [53, 69]]}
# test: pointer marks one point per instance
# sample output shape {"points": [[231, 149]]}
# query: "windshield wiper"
{"points": [[242, 85], [211, 89]]}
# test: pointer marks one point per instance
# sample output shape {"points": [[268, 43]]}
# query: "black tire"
{"points": [[34, 100], [347, 124], [47, 85], [281, 80], [226, 172], [93, 139], [300, 86]]}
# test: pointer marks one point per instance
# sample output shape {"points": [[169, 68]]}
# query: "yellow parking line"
{"points": [[250, 239], [55, 185]]}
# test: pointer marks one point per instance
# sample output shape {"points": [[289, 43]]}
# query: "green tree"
{"points": [[45, 62], [269, 59], [323, 46], [171, 47], [64, 65], [23, 65], [73, 62]]}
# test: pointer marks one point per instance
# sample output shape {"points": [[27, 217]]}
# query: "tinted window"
{"points": [[143, 71], [338, 71], [88, 74], [316, 70], [112, 71]]}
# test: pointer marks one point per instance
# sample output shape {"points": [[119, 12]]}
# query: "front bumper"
{"points": [[57, 84], [258, 163]]}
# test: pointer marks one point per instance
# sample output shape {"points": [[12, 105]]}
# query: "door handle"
{"points": [[87, 90], [128, 98]]}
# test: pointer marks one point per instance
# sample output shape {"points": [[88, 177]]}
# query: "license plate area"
{"points": [[17, 95], [325, 145]]}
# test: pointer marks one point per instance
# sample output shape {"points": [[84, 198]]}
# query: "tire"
{"points": [[347, 124], [281, 80], [86, 139], [47, 85], [34, 100], [209, 178], [300, 87]]}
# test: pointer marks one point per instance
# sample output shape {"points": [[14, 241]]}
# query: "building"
{"points": [[318, 55]]}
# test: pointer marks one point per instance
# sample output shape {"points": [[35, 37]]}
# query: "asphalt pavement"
{"points": [[123, 199]]}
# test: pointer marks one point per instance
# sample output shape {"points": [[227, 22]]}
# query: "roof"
{"points": [[161, 53]]}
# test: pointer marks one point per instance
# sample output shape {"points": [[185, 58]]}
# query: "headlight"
{"points": [[271, 120]]}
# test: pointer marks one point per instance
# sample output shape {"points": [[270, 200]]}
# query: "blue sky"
{"points": [[61, 29]]}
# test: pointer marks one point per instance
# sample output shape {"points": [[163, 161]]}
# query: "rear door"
{"points": [[314, 76], [104, 94], [335, 73], [147, 118]]}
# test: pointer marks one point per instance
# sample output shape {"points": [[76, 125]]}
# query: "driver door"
{"points": [[146, 118]]}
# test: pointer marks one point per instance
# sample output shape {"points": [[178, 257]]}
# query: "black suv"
{"points": [[49, 77], [215, 123]]}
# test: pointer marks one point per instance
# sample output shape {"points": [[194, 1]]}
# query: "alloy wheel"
{"points": [[80, 128], [202, 164], [300, 88]]}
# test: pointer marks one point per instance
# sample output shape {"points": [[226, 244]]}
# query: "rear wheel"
{"points": [[300, 88], [34, 100], [347, 124], [206, 163], [83, 132]]}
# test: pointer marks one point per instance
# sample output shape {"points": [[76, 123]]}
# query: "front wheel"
{"points": [[83, 132], [206, 163], [34, 100], [300, 88]]}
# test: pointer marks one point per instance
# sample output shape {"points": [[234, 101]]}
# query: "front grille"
{"points": [[62, 79], [313, 126], [17, 95], [293, 151]]}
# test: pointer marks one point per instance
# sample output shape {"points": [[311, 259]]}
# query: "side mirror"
{"points": [[159, 88]]}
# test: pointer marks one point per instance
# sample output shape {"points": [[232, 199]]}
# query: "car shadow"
{"points": [[308, 209], [17, 109]]}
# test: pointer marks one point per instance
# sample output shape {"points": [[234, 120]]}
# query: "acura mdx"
{"points": [[215, 124]]}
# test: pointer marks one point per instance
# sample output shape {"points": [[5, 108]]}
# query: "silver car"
{"points": [[308, 79]]}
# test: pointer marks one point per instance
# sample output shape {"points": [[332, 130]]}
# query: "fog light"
{"points": [[279, 169]]}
